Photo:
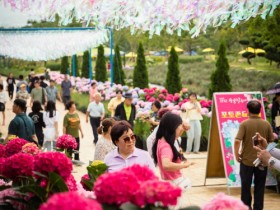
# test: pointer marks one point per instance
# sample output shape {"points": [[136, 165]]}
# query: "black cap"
{"points": [[128, 95]]}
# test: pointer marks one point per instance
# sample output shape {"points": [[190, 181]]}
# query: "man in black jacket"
{"points": [[126, 110]]}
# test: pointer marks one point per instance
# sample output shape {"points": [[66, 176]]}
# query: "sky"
{"points": [[9, 18]]}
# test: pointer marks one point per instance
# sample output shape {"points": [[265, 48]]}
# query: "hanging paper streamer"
{"points": [[147, 15], [48, 45]]}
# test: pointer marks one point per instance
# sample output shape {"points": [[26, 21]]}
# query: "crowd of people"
{"points": [[114, 138]]}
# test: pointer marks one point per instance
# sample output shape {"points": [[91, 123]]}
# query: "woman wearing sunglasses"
{"points": [[126, 154], [165, 154]]}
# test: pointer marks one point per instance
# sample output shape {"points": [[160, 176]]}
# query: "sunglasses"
{"points": [[127, 139]]}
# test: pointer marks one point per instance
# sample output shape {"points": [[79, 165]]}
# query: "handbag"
{"points": [[277, 120], [2, 107]]}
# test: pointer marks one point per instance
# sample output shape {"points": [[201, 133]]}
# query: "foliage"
{"points": [[85, 65], [190, 59], [119, 76], [142, 128], [220, 80], [173, 80], [140, 74], [53, 66], [100, 67], [64, 67], [75, 59]]}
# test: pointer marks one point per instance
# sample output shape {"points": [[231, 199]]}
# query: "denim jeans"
{"points": [[194, 135]]}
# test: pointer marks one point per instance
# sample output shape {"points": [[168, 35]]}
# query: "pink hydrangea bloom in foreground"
{"points": [[224, 202], [116, 188], [2, 151], [85, 177], [70, 201], [142, 173], [14, 146], [53, 162], [154, 191], [66, 142], [18, 165], [71, 183]]}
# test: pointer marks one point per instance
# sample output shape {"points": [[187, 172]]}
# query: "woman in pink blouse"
{"points": [[93, 90], [165, 154]]}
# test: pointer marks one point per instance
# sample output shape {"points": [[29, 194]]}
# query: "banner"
{"points": [[230, 109]]}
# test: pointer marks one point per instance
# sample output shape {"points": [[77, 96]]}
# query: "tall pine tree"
{"points": [[118, 71], [220, 80], [100, 67], [173, 80], [85, 65], [140, 73], [75, 59], [64, 65]]}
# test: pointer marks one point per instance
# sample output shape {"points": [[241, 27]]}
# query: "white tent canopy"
{"points": [[38, 45]]}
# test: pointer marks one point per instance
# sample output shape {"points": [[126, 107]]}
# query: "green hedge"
{"points": [[53, 66], [190, 59]]}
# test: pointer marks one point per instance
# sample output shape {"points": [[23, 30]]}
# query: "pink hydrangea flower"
{"points": [[2, 160], [164, 91], [18, 165], [116, 188], [222, 201], [66, 142], [70, 201], [142, 173], [6, 192], [30, 148], [154, 191], [14, 146], [85, 177], [53, 162], [269, 106], [2, 151], [71, 183]]}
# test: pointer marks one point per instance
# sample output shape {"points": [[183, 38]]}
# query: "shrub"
{"points": [[119, 77], [220, 80], [173, 80], [140, 74], [64, 65], [85, 66], [100, 67], [190, 59]]}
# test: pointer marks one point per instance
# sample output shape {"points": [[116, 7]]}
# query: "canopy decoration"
{"points": [[147, 15], [48, 44]]}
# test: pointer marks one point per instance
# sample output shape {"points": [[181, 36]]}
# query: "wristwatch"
{"points": [[271, 162]]}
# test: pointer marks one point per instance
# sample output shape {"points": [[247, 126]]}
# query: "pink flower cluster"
{"points": [[18, 165], [222, 201], [86, 178], [6, 192], [70, 201], [116, 188], [66, 142], [2, 151], [71, 183], [137, 184], [154, 191], [53, 162], [14, 146], [142, 173], [30, 148], [205, 103]]}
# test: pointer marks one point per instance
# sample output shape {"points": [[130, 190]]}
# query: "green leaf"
{"points": [[4, 187], [36, 190], [56, 183], [39, 174], [129, 206], [89, 184], [109, 207]]}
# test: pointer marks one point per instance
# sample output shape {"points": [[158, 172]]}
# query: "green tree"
{"points": [[100, 67], [75, 59], [140, 73], [85, 66], [220, 80], [64, 65], [118, 70], [173, 80]]}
